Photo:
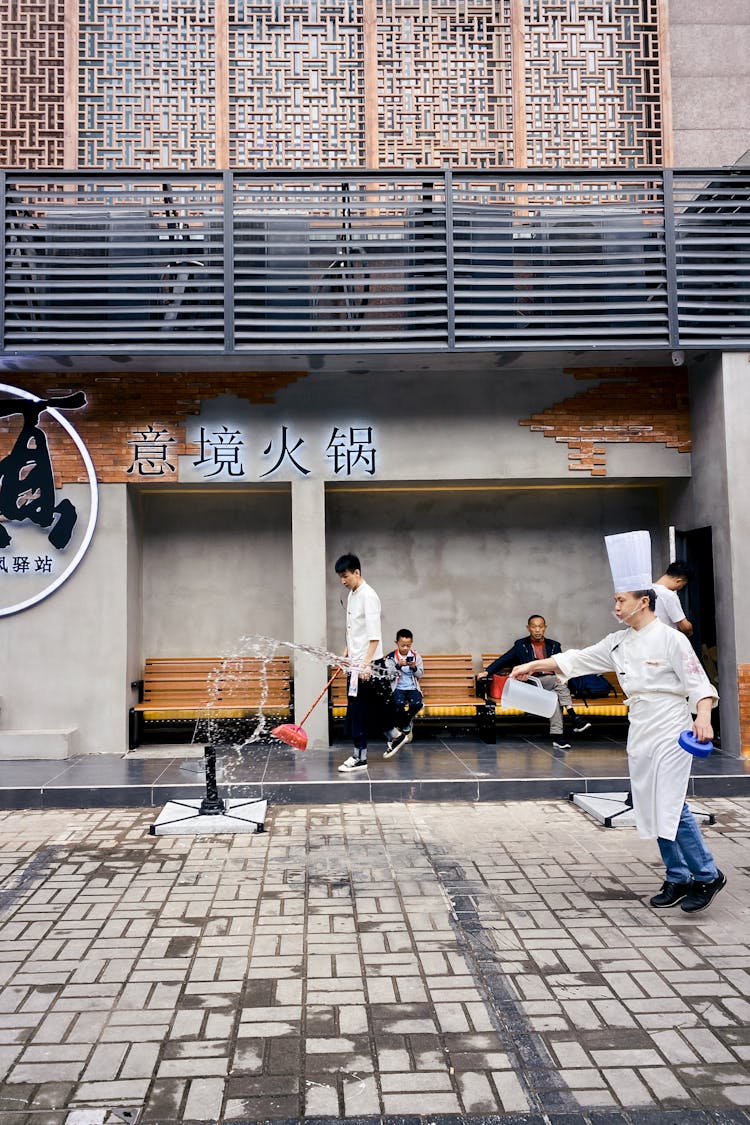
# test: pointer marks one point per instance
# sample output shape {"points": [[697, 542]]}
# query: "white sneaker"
{"points": [[352, 764], [409, 734]]}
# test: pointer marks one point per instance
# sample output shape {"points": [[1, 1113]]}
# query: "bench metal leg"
{"points": [[486, 728], [134, 729]]}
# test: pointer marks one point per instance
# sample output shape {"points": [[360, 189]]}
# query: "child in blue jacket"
{"points": [[405, 669]]}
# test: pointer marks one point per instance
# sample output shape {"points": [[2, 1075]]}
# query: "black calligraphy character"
{"points": [[285, 452], [226, 451], [27, 488], [151, 453], [346, 452]]}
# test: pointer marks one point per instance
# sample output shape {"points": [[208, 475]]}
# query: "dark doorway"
{"points": [[696, 549]]}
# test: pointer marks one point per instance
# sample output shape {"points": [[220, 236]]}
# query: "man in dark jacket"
{"points": [[536, 646]]}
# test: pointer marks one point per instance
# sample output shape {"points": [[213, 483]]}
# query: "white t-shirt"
{"points": [[668, 606], [363, 622]]}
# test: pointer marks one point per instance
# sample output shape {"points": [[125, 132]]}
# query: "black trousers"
{"points": [[370, 712]]}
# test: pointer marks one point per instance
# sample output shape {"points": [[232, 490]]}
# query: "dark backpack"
{"points": [[591, 687]]}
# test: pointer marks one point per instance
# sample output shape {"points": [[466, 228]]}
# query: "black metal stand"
{"points": [[186, 816], [609, 808], [212, 804]]}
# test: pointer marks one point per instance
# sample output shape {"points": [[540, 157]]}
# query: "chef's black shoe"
{"points": [[670, 894], [701, 894]]}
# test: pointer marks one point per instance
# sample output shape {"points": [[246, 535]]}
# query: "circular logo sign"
{"points": [[44, 530]]}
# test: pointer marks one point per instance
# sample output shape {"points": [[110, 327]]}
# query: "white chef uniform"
{"points": [[663, 681]]}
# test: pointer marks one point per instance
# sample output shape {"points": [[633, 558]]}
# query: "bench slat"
{"points": [[192, 687]]}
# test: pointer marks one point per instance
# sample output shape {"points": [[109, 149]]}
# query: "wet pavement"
{"points": [[404, 962]]}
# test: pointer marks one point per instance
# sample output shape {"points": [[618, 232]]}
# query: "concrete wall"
{"points": [[216, 566], [134, 530], [465, 569], [709, 47], [717, 497], [460, 421], [64, 662], [736, 390]]}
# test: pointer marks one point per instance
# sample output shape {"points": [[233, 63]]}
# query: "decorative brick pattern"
{"points": [[633, 406], [743, 688], [444, 84], [183, 84], [120, 406], [32, 40], [147, 84], [296, 84], [593, 94]]}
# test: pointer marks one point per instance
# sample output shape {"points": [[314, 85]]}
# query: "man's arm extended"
{"points": [[534, 667]]}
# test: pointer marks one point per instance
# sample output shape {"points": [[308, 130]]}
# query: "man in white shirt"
{"points": [[364, 644], [668, 605]]}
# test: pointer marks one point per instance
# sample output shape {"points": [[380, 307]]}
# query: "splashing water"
{"points": [[250, 663]]}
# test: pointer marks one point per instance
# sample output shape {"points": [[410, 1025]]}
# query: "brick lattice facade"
{"points": [[183, 84]]}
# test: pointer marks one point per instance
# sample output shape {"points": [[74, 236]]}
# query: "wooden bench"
{"points": [[177, 690], [448, 687], [611, 706]]}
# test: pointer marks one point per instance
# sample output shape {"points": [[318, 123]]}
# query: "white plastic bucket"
{"points": [[528, 695]]}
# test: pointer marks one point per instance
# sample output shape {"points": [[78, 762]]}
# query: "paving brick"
{"points": [[427, 1081], [45, 1072], [321, 1100], [193, 1067], [415, 1103], [204, 1099], [511, 1093]]}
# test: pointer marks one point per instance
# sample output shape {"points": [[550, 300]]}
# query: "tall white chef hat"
{"points": [[630, 560]]}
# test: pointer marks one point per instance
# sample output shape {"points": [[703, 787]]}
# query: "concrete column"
{"points": [[309, 586], [719, 498], [736, 389]]}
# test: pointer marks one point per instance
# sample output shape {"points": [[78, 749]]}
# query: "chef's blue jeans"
{"points": [[687, 857]]}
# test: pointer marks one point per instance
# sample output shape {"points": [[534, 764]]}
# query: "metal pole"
{"points": [[212, 804], [4, 263], [670, 251], [449, 250], [228, 236]]}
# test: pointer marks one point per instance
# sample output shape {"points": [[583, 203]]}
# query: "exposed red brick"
{"points": [[743, 689], [120, 406], [631, 405]]}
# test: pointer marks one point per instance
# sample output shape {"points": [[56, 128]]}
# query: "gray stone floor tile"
{"points": [[369, 963]]}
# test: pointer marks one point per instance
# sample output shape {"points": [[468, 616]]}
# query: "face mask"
{"points": [[624, 620]]}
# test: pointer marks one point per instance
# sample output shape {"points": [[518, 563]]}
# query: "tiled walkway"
{"points": [[407, 962], [442, 769]]}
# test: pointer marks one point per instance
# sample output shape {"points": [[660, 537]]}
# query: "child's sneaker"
{"points": [[395, 744]]}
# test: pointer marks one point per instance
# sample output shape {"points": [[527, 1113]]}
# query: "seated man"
{"points": [[537, 647]]}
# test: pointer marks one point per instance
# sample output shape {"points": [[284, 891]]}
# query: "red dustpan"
{"points": [[294, 734]]}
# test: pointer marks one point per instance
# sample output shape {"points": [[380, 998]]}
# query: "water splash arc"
{"points": [[256, 646]]}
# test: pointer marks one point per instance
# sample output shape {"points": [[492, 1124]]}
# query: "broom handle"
{"points": [[315, 703]]}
